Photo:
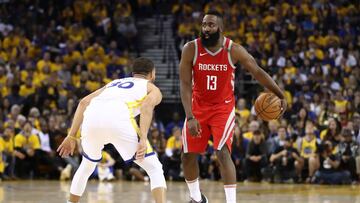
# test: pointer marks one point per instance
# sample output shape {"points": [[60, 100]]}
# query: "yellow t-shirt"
{"points": [[105, 157], [308, 148], [31, 142], [245, 113], [93, 85], [288, 97], [340, 105], [97, 67], [90, 53], [172, 143], [248, 135], [7, 145], [14, 42], [26, 91], [323, 133], [40, 65], [2, 164], [72, 57]]}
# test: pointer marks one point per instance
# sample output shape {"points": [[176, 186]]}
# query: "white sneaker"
{"points": [[66, 173]]}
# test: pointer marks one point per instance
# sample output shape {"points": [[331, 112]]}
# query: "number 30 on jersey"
{"points": [[211, 82]]}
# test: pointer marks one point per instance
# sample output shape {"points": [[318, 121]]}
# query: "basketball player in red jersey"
{"points": [[207, 74]]}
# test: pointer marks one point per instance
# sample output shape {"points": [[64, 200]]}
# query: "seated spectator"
{"points": [[46, 156], [209, 163], [175, 122], [279, 139], [307, 147], [26, 144], [348, 152], [253, 126], [273, 126], [256, 158], [242, 110], [7, 163], [157, 141], [239, 147], [286, 159], [328, 167], [104, 169], [172, 157], [332, 133]]}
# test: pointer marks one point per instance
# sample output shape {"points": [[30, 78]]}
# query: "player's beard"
{"points": [[212, 40]]}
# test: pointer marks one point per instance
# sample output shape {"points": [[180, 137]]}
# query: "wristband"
{"points": [[190, 118]]}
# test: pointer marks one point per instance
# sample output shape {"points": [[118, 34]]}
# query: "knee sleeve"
{"points": [[81, 177], [153, 168]]}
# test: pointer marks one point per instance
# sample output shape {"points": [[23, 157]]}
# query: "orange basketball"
{"points": [[268, 106]]}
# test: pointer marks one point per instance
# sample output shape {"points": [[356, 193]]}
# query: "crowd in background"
{"points": [[53, 54]]}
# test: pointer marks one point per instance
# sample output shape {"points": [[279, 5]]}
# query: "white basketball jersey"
{"points": [[119, 96]]}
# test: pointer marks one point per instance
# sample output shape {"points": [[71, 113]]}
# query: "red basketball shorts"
{"points": [[215, 120]]}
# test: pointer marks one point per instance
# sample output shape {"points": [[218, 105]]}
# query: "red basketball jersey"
{"points": [[213, 74]]}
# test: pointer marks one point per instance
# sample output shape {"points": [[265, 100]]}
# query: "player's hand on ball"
{"points": [[67, 147], [194, 127], [142, 147], [283, 107]]}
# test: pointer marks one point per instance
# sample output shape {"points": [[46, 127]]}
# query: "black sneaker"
{"points": [[204, 199]]}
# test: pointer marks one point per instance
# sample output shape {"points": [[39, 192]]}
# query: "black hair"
{"points": [[142, 66], [215, 13], [218, 15], [257, 132]]}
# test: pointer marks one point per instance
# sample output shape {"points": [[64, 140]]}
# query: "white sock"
{"points": [[194, 188], [230, 193]]}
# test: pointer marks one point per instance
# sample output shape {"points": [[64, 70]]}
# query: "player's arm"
{"points": [[79, 113], [186, 77], [239, 54], [68, 145], [152, 99]]}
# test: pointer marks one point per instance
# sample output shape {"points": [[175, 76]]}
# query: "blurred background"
{"points": [[53, 53]]}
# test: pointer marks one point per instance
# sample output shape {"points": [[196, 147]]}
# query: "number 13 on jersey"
{"points": [[211, 82]]}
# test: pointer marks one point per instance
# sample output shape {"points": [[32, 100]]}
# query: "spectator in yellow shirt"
{"points": [[94, 50], [11, 41], [27, 88], [172, 157], [253, 126], [46, 61], [340, 102], [97, 66], [26, 144], [242, 111], [104, 170], [72, 56], [7, 158]]}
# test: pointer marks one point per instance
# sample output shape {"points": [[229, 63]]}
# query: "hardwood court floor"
{"points": [[122, 191]]}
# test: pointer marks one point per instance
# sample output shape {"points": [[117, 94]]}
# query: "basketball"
{"points": [[268, 106]]}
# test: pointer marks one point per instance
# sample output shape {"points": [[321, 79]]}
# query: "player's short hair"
{"points": [[219, 16], [215, 13], [142, 66]]}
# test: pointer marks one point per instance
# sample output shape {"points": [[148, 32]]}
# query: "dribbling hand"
{"points": [[283, 107], [194, 127], [67, 147]]}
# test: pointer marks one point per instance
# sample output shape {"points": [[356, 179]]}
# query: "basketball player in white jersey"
{"points": [[108, 116]]}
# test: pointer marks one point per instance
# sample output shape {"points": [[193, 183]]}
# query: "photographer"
{"points": [[329, 172], [348, 151], [256, 157], [286, 159]]}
